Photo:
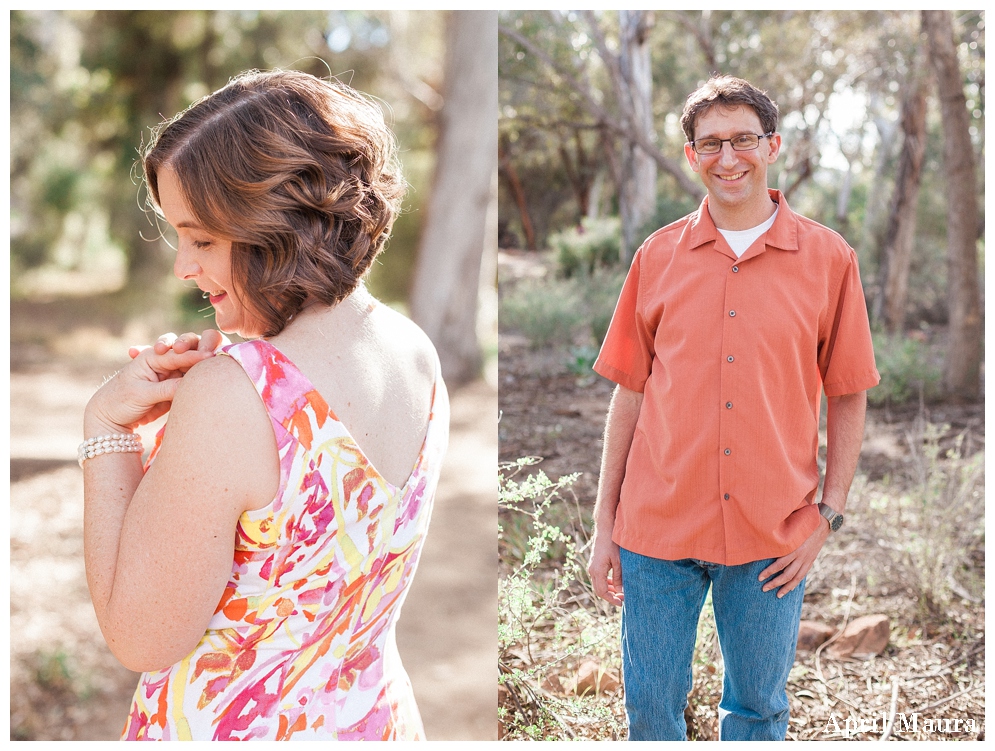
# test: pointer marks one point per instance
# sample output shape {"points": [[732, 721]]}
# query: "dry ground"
{"points": [[65, 685]]}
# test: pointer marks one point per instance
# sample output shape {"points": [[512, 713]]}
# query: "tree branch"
{"points": [[604, 118]]}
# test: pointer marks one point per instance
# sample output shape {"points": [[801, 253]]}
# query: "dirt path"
{"points": [[65, 685]]}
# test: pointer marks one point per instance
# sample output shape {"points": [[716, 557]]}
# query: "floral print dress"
{"points": [[301, 646]]}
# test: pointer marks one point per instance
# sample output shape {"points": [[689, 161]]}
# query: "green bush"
{"points": [[546, 311], [594, 244], [668, 210], [908, 370], [580, 360], [552, 310], [600, 290]]}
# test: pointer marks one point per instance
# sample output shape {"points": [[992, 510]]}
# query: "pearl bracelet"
{"points": [[115, 443]]}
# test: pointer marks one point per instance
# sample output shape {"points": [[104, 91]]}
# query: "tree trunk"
{"points": [[620, 127], [962, 376], [460, 227], [637, 197], [843, 199], [896, 255], [870, 234], [578, 170], [507, 167], [700, 28]]}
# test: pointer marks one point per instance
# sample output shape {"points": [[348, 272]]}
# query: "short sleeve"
{"points": [[846, 357], [626, 356]]}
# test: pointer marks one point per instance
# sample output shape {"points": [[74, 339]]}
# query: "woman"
{"points": [[254, 570]]}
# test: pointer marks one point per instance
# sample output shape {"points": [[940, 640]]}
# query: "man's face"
{"points": [[735, 180]]}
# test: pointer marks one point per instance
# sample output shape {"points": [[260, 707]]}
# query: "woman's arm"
{"points": [[159, 547]]}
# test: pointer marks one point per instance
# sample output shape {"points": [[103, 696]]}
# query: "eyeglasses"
{"points": [[742, 142]]}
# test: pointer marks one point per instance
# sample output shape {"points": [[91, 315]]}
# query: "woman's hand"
{"points": [[209, 341], [202, 346], [143, 390]]}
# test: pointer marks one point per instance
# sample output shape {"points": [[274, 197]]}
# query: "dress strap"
{"points": [[282, 387], [437, 436]]}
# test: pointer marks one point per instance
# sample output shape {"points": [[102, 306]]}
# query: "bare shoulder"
{"points": [[215, 374], [218, 432], [217, 389], [408, 340]]}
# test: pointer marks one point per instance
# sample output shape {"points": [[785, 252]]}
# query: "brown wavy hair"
{"points": [[728, 91], [299, 173]]}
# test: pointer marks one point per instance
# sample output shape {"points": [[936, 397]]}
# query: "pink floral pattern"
{"points": [[301, 646]]}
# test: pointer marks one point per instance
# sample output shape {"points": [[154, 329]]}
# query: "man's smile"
{"points": [[730, 178]]}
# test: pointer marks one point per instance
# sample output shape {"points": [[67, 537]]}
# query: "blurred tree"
{"points": [[510, 174], [896, 254], [963, 367], [549, 144], [86, 86], [632, 76], [863, 142], [460, 230], [41, 190], [136, 52]]}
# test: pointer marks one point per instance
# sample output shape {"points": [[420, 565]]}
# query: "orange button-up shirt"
{"points": [[731, 356]]}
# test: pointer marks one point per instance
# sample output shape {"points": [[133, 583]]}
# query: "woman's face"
{"points": [[204, 258]]}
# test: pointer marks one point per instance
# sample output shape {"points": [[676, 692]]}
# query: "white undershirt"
{"points": [[741, 239]]}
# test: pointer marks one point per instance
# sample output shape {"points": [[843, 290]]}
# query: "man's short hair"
{"points": [[728, 91]]}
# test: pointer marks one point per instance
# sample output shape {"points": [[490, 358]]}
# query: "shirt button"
{"points": [[735, 269], [732, 313], [726, 496], [728, 405], [727, 452], [730, 358]]}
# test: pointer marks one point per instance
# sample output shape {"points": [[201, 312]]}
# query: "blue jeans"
{"points": [[757, 635]]}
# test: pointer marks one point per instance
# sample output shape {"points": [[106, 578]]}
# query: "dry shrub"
{"points": [[549, 622], [557, 311], [929, 517]]}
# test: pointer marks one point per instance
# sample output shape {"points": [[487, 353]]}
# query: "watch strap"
{"points": [[831, 515]]}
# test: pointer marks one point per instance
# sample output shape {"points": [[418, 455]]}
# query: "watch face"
{"points": [[836, 523]]}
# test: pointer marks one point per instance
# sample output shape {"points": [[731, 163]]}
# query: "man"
{"points": [[731, 322]]}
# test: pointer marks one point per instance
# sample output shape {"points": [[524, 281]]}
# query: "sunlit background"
{"points": [[840, 78], [86, 87], [91, 275]]}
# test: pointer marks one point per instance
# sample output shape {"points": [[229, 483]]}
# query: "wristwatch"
{"points": [[832, 516]]}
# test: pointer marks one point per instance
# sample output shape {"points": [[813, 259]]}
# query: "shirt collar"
{"points": [[782, 235]]}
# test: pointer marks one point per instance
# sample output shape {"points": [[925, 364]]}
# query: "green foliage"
{"points": [[49, 683], [669, 208], [56, 673], [554, 311], [86, 86], [600, 292], [523, 602], [548, 311], [840, 101], [546, 139], [908, 370], [593, 245], [540, 627], [52, 670], [931, 519], [582, 360]]}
